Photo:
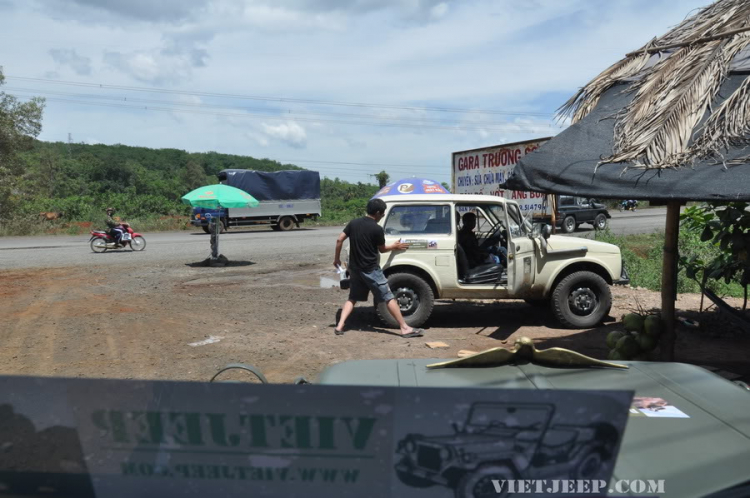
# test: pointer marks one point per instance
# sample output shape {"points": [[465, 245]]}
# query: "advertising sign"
{"points": [[483, 171], [116, 439]]}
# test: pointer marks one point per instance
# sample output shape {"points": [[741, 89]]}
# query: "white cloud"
{"points": [[439, 10], [525, 56], [69, 57], [290, 133], [153, 66]]}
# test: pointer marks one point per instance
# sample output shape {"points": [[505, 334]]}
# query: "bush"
{"points": [[643, 256]]}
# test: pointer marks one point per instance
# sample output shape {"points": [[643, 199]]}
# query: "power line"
{"points": [[281, 99], [506, 128], [35, 91]]}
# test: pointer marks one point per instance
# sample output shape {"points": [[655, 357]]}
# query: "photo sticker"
{"points": [[655, 407]]}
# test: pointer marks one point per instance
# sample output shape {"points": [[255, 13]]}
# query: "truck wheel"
{"points": [[223, 228], [286, 223], [478, 484], [413, 295], [600, 222], [206, 228], [581, 300], [569, 224]]}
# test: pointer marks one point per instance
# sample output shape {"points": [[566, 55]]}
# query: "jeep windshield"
{"points": [[503, 417], [517, 224]]}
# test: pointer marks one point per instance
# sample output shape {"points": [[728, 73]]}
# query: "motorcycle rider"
{"points": [[115, 230]]}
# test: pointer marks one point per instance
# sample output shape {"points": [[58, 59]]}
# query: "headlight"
{"points": [[197, 216]]}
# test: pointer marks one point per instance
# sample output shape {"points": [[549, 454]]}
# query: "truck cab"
{"points": [[570, 275]]}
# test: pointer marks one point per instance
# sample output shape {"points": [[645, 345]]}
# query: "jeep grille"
{"points": [[428, 457]]}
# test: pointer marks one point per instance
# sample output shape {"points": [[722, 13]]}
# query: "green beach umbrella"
{"points": [[219, 196]]}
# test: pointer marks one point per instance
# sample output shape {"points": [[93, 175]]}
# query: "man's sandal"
{"points": [[415, 333]]}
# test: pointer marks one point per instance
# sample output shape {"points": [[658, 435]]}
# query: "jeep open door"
{"points": [[521, 247]]}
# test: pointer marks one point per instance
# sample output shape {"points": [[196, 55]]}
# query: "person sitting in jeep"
{"points": [[468, 241]]}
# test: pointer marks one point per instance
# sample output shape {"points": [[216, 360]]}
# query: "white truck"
{"points": [[287, 198]]}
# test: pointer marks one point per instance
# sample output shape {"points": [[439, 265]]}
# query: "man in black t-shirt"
{"points": [[367, 241]]}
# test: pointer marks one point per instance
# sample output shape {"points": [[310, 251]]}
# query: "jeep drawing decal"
{"points": [[506, 441]]}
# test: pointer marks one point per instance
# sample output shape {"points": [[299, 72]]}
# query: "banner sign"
{"points": [[115, 439], [483, 171]]}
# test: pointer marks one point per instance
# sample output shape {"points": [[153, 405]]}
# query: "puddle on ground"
{"points": [[317, 279], [328, 282]]}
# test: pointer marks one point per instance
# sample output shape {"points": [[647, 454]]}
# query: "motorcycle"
{"points": [[101, 241], [628, 205]]}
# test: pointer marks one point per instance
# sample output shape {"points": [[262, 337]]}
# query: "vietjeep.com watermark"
{"points": [[582, 486]]}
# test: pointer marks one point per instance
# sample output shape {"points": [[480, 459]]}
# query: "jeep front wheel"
{"points": [[581, 300], [414, 297], [569, 224], [478, 484]]}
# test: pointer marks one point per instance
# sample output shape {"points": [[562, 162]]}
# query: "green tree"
{"points": [[446, 186], [383, 178], [193, 176], [20, 123]]}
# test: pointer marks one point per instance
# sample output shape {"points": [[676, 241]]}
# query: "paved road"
{"points": [[238, 244]]}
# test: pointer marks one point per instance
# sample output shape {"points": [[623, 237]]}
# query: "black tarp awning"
{"points": [[567, 163]]}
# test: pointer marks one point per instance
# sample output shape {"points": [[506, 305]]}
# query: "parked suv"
{"points": [[572, 211], [570, 275]]}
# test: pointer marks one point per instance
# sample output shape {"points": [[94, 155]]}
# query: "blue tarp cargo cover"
{"points": [[274, 186]]}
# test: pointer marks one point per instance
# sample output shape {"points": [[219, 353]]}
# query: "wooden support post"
{"points": [[669, 280], [215, 230]]}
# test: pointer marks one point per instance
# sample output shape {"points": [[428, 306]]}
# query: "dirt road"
{"points": [[176, 321]]}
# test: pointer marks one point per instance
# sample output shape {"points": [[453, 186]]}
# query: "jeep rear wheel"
{"points": [[414, 297], [569, 224], [581, 300], [478, 484]]}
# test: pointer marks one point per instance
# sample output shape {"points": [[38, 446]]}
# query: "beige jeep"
{"points": [[571, 275]]}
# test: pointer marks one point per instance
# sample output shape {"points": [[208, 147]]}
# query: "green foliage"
{"points": [[643, 256], [20, 123], [342, 201], [724, 228], [81, 180], [382, 178]]}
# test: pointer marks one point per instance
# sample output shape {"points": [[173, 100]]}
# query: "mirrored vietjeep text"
{"points": [[504, 441], [504, 257]]}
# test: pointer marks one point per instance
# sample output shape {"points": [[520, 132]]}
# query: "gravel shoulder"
{"points": [[177, 321]]}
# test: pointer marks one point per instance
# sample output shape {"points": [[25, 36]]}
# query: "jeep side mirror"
{"points": [[546, 231]]}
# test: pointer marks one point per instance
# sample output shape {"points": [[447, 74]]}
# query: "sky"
{"points": [[344, 87]]}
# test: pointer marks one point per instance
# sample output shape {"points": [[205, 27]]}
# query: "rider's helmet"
{"points": [[110, 210]]}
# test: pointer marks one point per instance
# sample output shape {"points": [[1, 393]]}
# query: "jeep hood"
{"points": [[558, 243]]}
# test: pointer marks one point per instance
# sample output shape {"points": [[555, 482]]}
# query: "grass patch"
{"points": [[643, 256]]}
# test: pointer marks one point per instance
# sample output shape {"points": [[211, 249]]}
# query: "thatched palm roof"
{"points": [[673, 80]]}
